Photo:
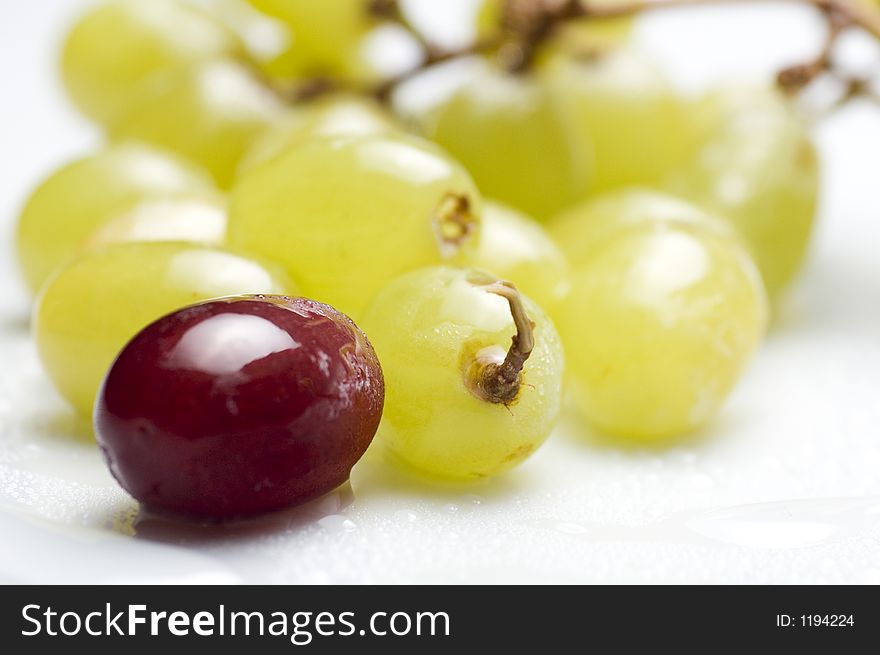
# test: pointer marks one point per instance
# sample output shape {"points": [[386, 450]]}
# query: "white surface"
{"points": [[783, 488]]}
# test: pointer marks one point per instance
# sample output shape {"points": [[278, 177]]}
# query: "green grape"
{"points": [[758, 168], [79, 198], [90, 310], [662, 318], [120, 44], [201, 220], [210, 114], [509, 135], [621, 105], [514, 247], [327, 36], [346, 215], [441, 334], [328, 117]]}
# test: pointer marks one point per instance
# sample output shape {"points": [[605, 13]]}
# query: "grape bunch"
{"points": [[275, 256]]}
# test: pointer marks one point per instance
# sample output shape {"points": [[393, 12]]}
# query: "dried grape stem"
{"points": [[795, 78], [528, 35], [856, 15], [501, 383]]}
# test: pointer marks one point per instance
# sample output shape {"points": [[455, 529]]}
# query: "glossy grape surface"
{"points": [[427, 327], [514, 247], [88, 312], [210, 114], [120, 44], [74, 202], [200, 221], [508, 133], [237, 407], [662, 318], [757, 167], [347, 215]]}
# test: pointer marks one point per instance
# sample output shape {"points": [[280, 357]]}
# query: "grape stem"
{"points": [[501, 383], [527, 24]]}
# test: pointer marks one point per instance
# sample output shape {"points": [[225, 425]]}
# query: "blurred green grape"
{"points": [[665, 311], [757, 167], [210, 114], [120, 44]]}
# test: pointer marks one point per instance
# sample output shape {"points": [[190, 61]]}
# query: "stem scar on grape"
{"points": [[486, 377], [454, 223]]}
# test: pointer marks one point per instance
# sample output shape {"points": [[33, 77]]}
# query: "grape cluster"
{"points": [[566, 199]]}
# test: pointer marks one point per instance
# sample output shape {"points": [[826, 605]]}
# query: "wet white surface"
{"points": [[784, 487]]}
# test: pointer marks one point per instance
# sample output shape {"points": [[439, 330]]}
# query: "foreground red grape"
{"points": [[240, 406]]}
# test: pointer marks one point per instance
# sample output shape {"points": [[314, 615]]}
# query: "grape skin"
{"points": [[426, 327], [236, 407], [201, 221], [514, 247], [661, 321], [87, 313], [120, 44], [344, 216], [758, 168], [210, 114], [79, 198]]}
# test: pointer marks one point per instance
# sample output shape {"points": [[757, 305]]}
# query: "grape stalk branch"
{"points": [[526, 25]]}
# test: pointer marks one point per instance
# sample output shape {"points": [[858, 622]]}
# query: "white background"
{"points": [[784, 487]]}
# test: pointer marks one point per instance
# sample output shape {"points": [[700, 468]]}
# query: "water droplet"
{"points": [[406, 516], [337, 523], [451, 508]]}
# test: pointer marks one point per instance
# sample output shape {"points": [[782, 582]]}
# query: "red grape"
{"points": [[240, 406]]}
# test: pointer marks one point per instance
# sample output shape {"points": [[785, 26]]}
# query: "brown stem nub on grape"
{"points": [[500, 382], [454, 223]]}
